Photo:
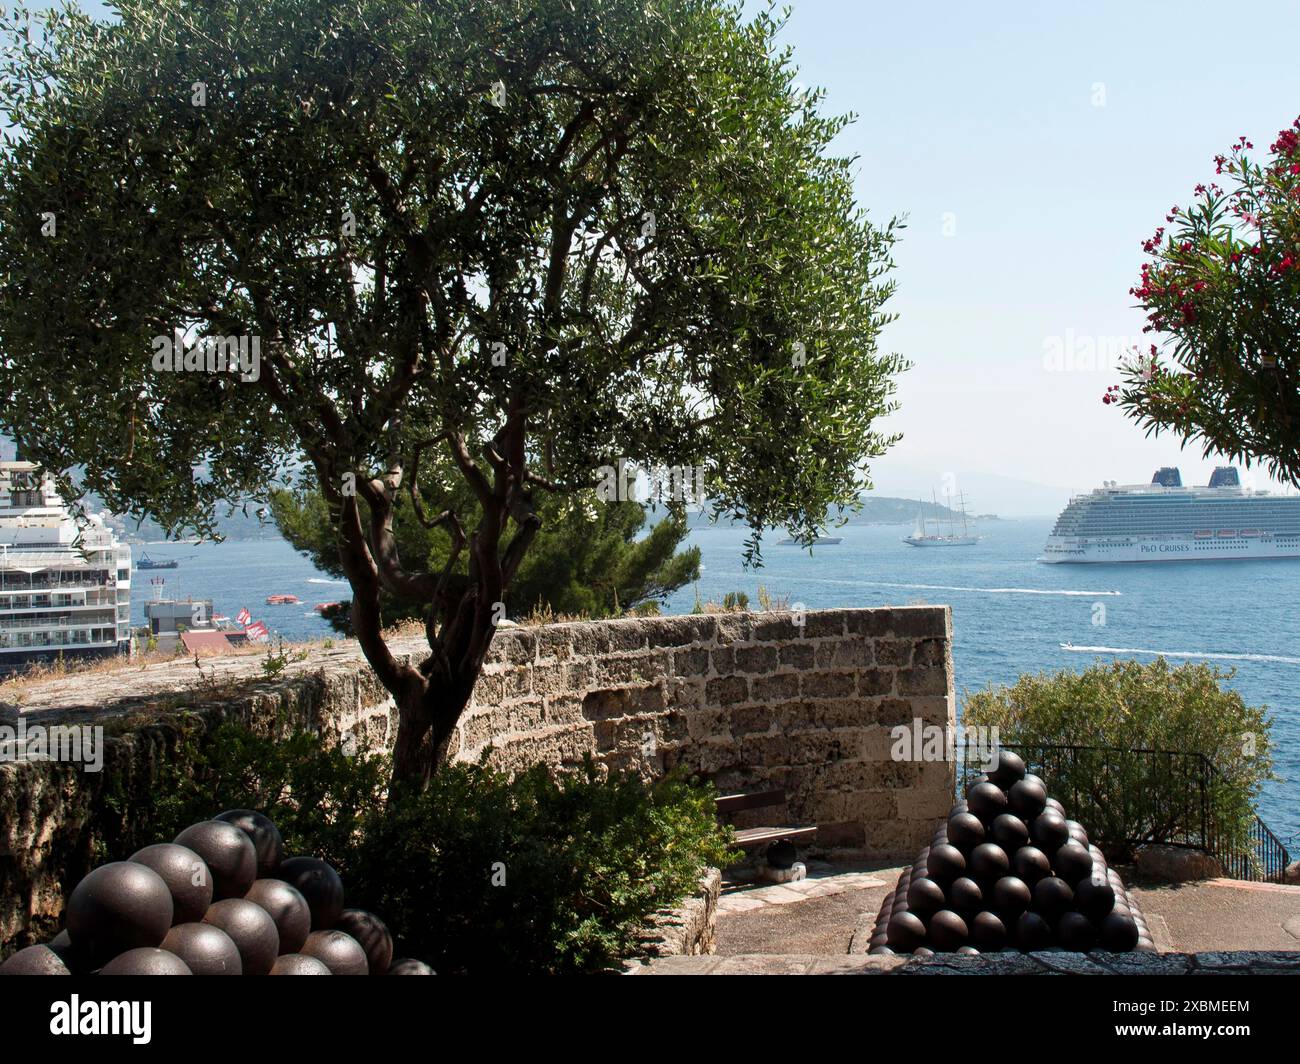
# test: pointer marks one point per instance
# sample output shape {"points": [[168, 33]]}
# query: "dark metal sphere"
{"points": [[1077, 832], [1076, 932], [960, 807], [987, 931], [925, 897], [408, 966], [965, 831], [881, 951], [1032, 778], [923, 951], [965, 896], [287, 907], [1119, 932], [1072, 862], [298, 964], [186, 875], [1033, 933], [948, 931], [945, 863], [1027, 798], [1056, 807], [1010, 832], [1031, 864], [77, 960], [146, 962], [989, 862], [34, 960], [252, 930], [1052, 896], [968, 951], [341, 954], [1010, 769], [205, 948], [319, 884], [118, 907], [264, 835], [229, 855], [373, 935], [1048, 831], [987, 801], [904, 932], [782, 854], [1012, 896], [1095, 896]]}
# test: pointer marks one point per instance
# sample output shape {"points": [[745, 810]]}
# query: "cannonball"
{"points": [[1011, 896], [205, 949], [1072, 862], [118, 907], [373, 935], [229, 854], [960, 807], [408, 966], [1119, 932], [989, 862], [146, 961], [1031, 864], [965, 895], [987, 931], [1010, 832], [76, 959], [965, 831], [34, 960], [925, 897], [923, 951], [1027, 798], [263, 833], [879, 951], [1031, 777], [1010, 769], [298, 964], [1033, 933], [905, 932], [186, 875], [1052, 896], [945, 863], [319, 884], [1075, 932], [948, 931], [1077, 832], [968, 951], [1048, 831], [987, 801], [251, 929], [287, 907], [1056, 807], [340, 953]]}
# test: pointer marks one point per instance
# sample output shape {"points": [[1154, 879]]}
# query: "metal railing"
{"points": [[1128, 797]]}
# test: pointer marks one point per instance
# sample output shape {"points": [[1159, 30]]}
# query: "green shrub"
{"points": [[1120, 794], [481, 872]]}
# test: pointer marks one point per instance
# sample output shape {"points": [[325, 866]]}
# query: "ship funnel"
{"points": [[1224, 477], [1168, 477]]}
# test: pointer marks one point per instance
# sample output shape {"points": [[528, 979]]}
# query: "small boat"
{"points": [[282, 600], [321, 607], [146, 562]]}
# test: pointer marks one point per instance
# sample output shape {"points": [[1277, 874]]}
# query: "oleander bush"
{"points": [[1090, 733], [480, 871]]}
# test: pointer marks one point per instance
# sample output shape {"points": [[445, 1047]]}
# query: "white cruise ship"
{"points": [[1166, 522], [65, 585]]}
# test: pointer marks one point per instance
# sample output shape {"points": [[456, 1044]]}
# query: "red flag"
{"points": [[256, 631], [243, 617]]}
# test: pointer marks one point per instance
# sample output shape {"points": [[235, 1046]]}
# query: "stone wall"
{"points": [[750, 701]]}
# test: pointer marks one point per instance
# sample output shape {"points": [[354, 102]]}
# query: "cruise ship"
{"points": [[65, 584], [1166, 522]]}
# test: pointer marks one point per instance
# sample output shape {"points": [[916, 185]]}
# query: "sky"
{"points": [[1032, 147]]}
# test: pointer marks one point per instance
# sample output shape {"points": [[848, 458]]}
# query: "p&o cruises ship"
{"points": [[1164, 521], [65, 585]]}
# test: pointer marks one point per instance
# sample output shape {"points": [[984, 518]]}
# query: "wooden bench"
{"points": [[729, 805]]}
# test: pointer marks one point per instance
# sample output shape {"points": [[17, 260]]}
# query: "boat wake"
{"points": [[1275, 658], [322, 580]]}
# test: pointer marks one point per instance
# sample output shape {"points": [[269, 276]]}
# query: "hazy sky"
{"points": [[1052, 138], [1033, 147]]}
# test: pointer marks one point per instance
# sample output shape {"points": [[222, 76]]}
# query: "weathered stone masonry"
{"points": [[751, 701]]}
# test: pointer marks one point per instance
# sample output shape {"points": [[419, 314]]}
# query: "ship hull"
{"points": [[1064, 551]]}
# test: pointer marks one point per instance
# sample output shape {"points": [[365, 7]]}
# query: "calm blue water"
{"points": [[1010, 613]]}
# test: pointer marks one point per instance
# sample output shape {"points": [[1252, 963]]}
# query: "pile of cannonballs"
{"points": [[1008, 871], [221, 899]]}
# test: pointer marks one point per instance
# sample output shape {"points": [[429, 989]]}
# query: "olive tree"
{"points": [[404, 244]]}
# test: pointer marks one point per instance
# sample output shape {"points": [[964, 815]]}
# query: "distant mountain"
{"points": [[876, 510], [235, 526]]}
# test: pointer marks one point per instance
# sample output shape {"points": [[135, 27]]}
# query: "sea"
{"points": [[1011, 614]]}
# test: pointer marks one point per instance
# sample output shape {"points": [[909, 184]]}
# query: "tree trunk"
{"points": [[426, 722]]}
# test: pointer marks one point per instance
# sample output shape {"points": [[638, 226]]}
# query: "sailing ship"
{"points": [[922, 537]]}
